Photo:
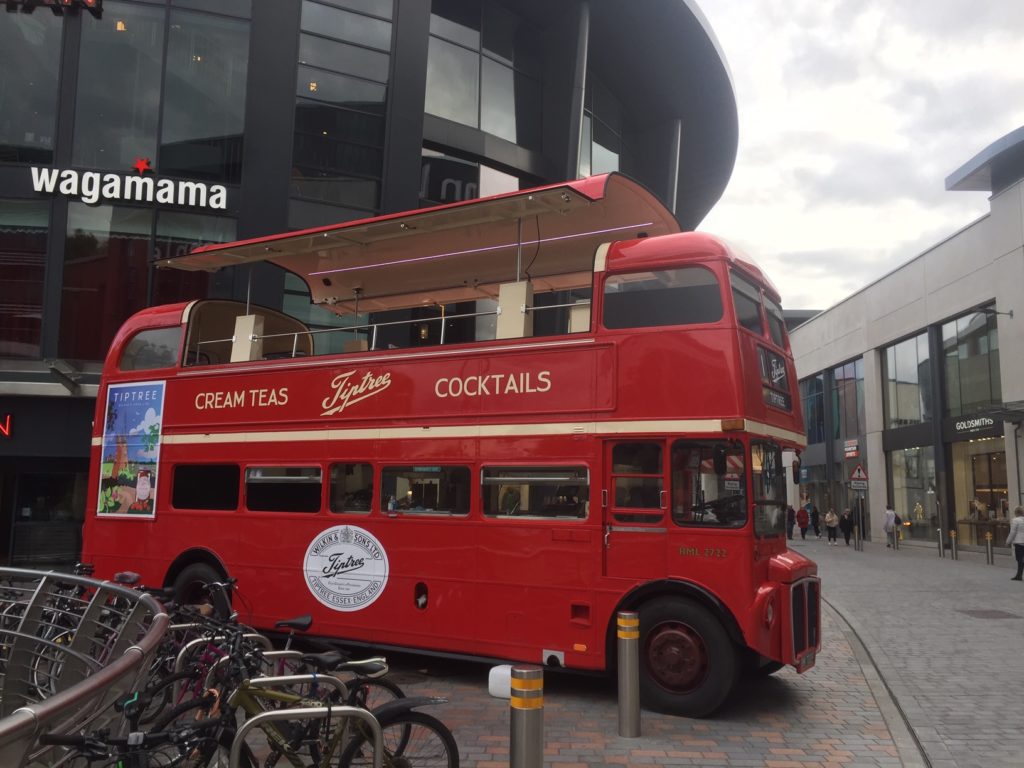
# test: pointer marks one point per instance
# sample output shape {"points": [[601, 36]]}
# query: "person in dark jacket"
{"points": [[802, 520], [790, 521], [846, 525], [816, 521]]}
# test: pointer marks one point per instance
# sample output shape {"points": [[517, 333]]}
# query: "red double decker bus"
{"points": [[542, 408]]}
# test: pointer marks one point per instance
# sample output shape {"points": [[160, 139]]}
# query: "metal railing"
{"points": [[70, 647]]}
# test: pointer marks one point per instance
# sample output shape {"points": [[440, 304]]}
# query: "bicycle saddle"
{"points": [[128, 578], [301, 623], [324, 662]]}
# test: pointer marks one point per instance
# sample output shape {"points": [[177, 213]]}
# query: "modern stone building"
{"points": [[919, 378]]}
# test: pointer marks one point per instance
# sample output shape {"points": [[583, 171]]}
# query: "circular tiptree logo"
{"points": [[346, 568]]}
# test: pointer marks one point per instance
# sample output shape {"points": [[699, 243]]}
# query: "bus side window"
{"points": [[747, 299], [425, 490], [152, 348], [351, 488], [283, 489], [548, 492], [205, 486]]}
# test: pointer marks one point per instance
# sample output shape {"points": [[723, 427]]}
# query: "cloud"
{"points": [[150, 419]]}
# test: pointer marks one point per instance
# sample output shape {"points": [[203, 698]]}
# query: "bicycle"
{"points": [[409, 737]]}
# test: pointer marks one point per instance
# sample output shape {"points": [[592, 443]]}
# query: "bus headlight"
{"points": [[769, 611]]}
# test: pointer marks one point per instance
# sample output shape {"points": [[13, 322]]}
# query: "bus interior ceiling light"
{"points": [[481, 249]]}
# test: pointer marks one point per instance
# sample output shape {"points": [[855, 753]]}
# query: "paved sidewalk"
{"points": [[948, 639]]}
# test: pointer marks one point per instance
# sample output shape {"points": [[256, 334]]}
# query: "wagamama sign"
{"points": [[93, 187]]}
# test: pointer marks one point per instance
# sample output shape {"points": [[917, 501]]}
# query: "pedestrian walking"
{"points": [[846, 525], [816, 522], [831, 526], [1016, 538], [790, 521], [802, 520], [889, 526]]}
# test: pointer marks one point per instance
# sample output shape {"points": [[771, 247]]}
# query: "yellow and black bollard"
{"points": [[629, 674], [526, 738]]}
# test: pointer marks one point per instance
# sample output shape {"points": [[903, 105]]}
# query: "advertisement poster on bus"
{"points": [[131, 449]]}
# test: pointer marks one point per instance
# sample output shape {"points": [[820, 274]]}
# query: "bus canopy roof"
{"points": [[457, 252]]}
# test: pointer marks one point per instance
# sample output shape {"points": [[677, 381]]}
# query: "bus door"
{"points": [[635, 504]]}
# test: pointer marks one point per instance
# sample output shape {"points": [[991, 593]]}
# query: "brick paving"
{"points": [[903, 668]]}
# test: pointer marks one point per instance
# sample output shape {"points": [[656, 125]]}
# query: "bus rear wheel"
{"points": [[190, 584], [688, 664]]}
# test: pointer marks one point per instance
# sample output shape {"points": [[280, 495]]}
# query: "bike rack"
{"points": [[308, 713], [94, 638]]}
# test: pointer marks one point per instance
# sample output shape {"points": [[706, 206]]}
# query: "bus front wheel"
{"points": [[190, 584], [688, 663]]}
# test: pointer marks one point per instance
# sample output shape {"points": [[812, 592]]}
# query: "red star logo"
{"points": [[142, 165]]}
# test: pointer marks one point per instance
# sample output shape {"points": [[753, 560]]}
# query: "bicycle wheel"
{"points": [[411, 739], [371, 693]]}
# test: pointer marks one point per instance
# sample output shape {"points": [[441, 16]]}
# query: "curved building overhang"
{"points": [[663, 59], [995, 168]]}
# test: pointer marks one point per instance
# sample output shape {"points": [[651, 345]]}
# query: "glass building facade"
{"points": [[142, 131], [942, 432]]}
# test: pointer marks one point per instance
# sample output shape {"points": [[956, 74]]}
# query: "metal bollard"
{"points": [[895, 537], [953, 551], [526, 737], [990, 556], [629, 674], [942, 551], [856, 538]]}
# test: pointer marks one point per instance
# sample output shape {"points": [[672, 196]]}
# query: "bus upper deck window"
{"points": [[747, 299], [684, 296], [776, 323], [153, 348]]}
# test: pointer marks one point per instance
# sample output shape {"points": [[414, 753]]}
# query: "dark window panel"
{"points": [[510, 104], [28, 86], [23, 234], [343, 25], [510, 39], [322, 156], [241, 8], [119, 71], [106, 276], [453, 83], [320, 119], [363, 193], [204, 97], [385, 8], [342, 57], [177, 234], [456, 20], [340, 90], [151, 349], [689, 295]]}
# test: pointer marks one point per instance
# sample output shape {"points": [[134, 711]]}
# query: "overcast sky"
{"points": [[851, 115]]}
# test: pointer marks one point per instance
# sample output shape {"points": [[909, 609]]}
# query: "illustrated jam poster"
{"points": [[131, 449]]}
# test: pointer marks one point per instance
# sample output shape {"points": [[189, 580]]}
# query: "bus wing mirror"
{"points": [[718, 458], [796, 471]]}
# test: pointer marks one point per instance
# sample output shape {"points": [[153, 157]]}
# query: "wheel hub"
{"points": [[676, 657]]}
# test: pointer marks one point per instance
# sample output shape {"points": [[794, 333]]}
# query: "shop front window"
{"points": [[913, 492], [106, 276], [23, 233], [980, 491], [28, 86], [970, 349], [907, 386], [48, 511]]}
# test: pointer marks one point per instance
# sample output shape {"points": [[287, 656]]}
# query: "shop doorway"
{"points": [[980, 491]]}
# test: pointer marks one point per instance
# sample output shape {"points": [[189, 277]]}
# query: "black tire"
{"points": [[190, 584], [371, 693], [423, 741], [688, 663]]}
